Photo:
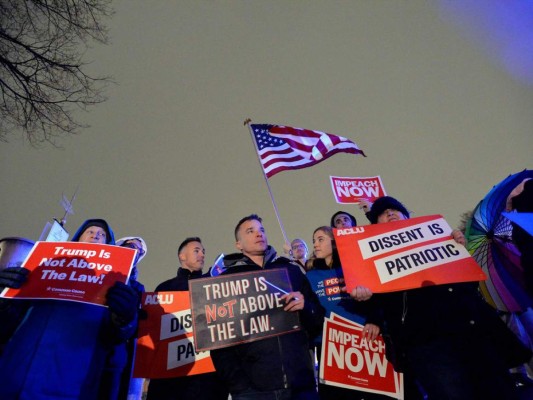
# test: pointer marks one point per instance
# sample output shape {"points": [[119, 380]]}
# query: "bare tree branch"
{"points": [[42, 74]]}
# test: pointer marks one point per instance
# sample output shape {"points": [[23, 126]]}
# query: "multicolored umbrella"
{"points": [[489, 236]]}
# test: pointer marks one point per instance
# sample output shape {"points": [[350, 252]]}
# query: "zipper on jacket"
{"points": [[405, 308]]}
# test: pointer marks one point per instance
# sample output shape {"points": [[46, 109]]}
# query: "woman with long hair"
{"points": [[326, 265]]}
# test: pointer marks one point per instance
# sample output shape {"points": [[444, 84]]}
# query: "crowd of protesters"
{"points": [[448, 342]]}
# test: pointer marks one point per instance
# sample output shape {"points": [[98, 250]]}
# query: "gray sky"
{"points": [[441, 114]]}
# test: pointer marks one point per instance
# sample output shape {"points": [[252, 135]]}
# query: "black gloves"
{"points": [[123, 301], [13, 277], [138, 287]]}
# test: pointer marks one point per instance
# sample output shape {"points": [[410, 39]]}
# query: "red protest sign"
{"points": [[352, 190], [350, 361], [403, 255], [165, 348], [73, 271]]}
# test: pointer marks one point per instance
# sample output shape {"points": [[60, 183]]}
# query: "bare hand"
{"points": [[365, 205], [371, 332], [361, 293], [294, 301], [459, 237]]}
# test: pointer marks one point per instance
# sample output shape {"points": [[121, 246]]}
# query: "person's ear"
{"points": [[238, 245]]}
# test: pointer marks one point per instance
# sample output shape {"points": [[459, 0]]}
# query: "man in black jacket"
{"points": [[278, 367], [207, 386], [191, 254]]}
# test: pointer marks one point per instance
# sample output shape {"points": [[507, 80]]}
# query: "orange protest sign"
{"points": [[165, 348], [73, 271], [403, 255]]}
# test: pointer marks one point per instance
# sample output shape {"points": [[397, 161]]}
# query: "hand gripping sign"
{"points": [[350, 361], [404, 255], [73, 271]]}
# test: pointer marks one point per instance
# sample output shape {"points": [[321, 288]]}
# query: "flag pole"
{"points": [[247, 122]]}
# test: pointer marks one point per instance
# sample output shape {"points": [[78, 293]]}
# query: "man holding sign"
{"points": [[452, 342], [277, 366], [60, 348], [206, 386]]}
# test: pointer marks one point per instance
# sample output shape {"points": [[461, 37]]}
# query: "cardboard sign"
{"points": [[237, 308], [165, 348], [403, 255], [350, 361], [352, 190], [54, 232], [73, 271]]}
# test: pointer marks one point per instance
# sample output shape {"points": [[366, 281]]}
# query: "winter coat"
{"points": [[117, 376], [180, 282], [277, 362], [418, 316], [195, 387], [339, 303], [60, 348]]}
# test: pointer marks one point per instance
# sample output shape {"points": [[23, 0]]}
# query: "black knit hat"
{"points": [[385, 203], [332, 223]]}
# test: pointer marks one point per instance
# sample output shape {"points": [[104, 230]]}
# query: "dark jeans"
{"points": [[280, 394]]}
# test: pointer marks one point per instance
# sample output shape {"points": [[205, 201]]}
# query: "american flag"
{"points": [[282, 147]]}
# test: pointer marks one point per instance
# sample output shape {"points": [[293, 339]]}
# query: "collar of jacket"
{"points": [[238, 259], [185, 273]]}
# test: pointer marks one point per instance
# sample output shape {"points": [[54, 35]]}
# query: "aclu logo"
{"points": [[350, 231], [154, 299]]}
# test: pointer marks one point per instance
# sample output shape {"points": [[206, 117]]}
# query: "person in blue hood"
{"points": [[59, 349]]}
